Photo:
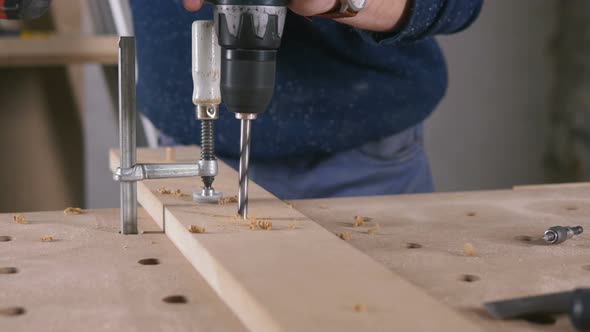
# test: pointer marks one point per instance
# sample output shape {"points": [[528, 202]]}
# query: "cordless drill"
{"points": [[249, 34], [23, 9]]}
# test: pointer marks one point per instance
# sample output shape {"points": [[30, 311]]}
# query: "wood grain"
{"points": [[89, 279], [297, 276], [422, 239]]}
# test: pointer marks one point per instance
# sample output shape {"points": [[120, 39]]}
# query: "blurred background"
{"points": [[516, 111]]}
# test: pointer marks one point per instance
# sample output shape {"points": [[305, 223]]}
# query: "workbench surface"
{"points": [[89, 278], [422, 238]]}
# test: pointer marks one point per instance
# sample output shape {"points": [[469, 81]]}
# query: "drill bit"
{"points": [[245, 132], [559, 234]]}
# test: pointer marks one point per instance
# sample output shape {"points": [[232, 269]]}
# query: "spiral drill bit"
{"points": [[207, 149], [245, 131]]}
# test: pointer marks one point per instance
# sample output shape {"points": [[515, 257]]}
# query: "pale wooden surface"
{"points": [[58, 50], [89, 279], [494, 222], [296, 277]]}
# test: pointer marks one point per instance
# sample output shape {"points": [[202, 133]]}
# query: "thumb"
{"points": [[312, 7]]}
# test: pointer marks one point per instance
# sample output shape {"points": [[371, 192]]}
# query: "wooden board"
{"points": [[89, 278], [295, 277], [504, 227], [58, 50]]}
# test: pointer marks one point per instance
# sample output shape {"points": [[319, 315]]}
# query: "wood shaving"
{"points": [[196, 229], [358, 308], [165, 191], [19, 219], [179, 193], [262, 223], [227, 200], [289, 204], [47, 239], [292, 226], [168, 191], [346, 236], [73, 210], [360, 221], [468, 250], [374, 230]]}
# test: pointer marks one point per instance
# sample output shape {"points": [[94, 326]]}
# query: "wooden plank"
{"points": [[295, 277], [89, 279], [58, 50], [556, 186], [422, 238]]}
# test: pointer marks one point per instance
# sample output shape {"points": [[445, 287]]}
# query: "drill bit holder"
{"points": [[130, 171]]}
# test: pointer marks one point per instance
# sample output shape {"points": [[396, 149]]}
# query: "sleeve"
{"points": [[426, 18]]}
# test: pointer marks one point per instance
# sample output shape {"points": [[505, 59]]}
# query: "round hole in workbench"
{"points": [[175, 299], [5, 238], [571, 208], [471, 214], [524, 238], [8, 270], [540, 319], [12, 311], [411, 245], [149, 261], [469, 278], [586, 267]]}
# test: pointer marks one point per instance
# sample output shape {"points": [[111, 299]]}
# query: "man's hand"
{"points": [[378, 15]]}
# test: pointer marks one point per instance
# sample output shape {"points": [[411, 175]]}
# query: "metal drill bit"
{"points": [[245, 130], [559, 234]]}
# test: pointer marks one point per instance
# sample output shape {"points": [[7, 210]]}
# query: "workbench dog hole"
{"points": [[149, 261], [8, 270], [524, 238], [12, 311], [175, 299], [5, 238], [412, 245], [469, 278]]}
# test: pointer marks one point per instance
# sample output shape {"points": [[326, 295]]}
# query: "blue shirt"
{"points": [[338, 87]]}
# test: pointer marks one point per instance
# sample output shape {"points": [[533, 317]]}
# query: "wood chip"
{"points": [[262, 223], [19, 219], [358, 308], [196, 229], [227, 200], [179, 193], [346, 236], [289, 204], [165, 191], [292, 226], [73, 210], [170, 154], [469, 250], [47, 239], [374, 230], [360, 221]]}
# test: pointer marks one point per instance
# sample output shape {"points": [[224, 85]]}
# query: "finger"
{"points": [[311, 7], [192, 5]]}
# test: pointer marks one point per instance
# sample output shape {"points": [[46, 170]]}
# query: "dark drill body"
{"points": [[249, 33]]}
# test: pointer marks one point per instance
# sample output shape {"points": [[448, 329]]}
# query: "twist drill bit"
{"points": [[245, 132], [560, 234]]}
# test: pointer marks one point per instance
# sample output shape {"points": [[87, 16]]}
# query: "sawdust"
{"points": [[469, 250], [374, 230], [168, 191], [196, 229], [47, 239], [262, 223], [19, 219], [360, 221], [292, 226], [359, 308], [227, 200], [289, 204], [346, 236], [73, 210]]}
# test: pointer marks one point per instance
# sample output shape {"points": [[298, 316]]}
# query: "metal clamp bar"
{"points": [[140, 172], [127, 128]]}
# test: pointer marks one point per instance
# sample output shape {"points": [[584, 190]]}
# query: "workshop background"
{"points": [[516, 111]]}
